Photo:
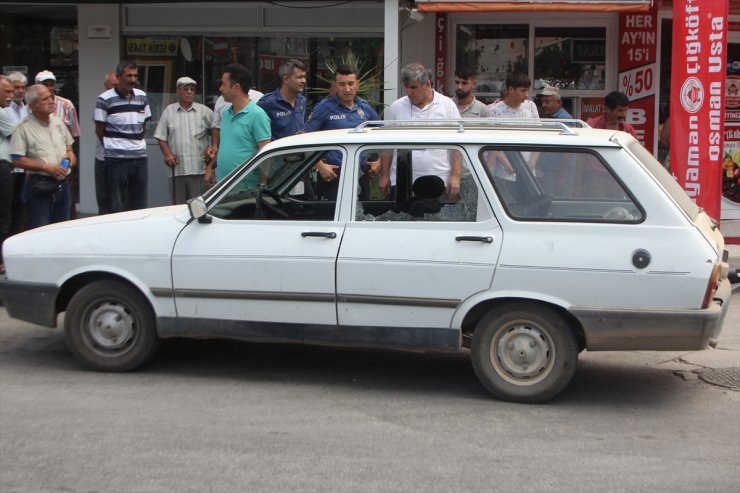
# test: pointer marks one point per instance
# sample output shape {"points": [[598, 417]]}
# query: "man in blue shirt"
{"points": [[342, 110], [286, 106]]}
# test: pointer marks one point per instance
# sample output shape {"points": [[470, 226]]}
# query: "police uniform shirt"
{"points": [[285, 119], [331, 114]]}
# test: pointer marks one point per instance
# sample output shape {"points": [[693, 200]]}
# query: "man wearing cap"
{"points": [[467, 104], [552, 105], [121, 114], [554, 174], [183, 133], [65, 110]]}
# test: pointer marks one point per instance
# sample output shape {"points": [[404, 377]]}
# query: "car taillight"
{"points": [[711, 286]]}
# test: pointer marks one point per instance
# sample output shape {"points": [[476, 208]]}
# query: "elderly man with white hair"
{"points": [[42, 146]]}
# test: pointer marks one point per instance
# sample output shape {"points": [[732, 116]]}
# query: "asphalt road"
{"points": [[225, 416]]}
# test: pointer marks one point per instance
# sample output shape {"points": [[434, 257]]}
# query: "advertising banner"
{"points": [[638, 71], [440, 54], [698, 99]]}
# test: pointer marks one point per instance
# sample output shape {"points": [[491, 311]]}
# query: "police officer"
{"points": [[286, 105], [342, 110]]}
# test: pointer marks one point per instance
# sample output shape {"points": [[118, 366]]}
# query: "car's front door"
{"points": [[264, 264]]}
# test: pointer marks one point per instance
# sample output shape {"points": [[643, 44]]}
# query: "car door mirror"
{"points": [[197, 207]]}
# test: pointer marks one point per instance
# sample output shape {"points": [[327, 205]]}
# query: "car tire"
{"points": [[110, 326], [524, 352]]}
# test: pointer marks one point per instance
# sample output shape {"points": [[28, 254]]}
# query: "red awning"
{"points": [[534, 6]]}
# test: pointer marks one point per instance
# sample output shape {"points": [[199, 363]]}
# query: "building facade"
{"points": [[588, 48]]}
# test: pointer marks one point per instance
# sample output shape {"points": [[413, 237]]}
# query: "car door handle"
{"points": [[319, 234], [484, 239]]}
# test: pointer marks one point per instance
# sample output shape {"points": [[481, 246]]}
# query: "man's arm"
{"points": [[7, 124], [100, 131], [29, 164], [169, 158], [453, 181]]}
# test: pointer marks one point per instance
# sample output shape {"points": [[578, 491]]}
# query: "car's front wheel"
{"points": [[110, 326], [524, 352]]}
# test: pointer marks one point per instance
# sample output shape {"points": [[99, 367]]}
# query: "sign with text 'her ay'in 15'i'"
{"points": [[638, 33], [697, 98]]}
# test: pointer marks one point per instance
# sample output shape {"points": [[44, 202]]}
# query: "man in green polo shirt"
{"points": [[245, 127]]}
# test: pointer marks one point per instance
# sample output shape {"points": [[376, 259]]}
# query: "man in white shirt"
{"points": [[183, 134], [422, 102], [516, 104]]}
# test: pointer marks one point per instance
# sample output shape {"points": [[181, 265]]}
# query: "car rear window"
{"points": [[552, 184], [667, 180]]}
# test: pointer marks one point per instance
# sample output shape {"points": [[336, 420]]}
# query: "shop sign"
{"points": [[698, 99], [589, 51], [138, 47], [591, 108], [638, 70], [440, 54]]}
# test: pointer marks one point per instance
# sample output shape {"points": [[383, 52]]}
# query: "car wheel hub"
{"points": [[522, 354], [111, 326]]}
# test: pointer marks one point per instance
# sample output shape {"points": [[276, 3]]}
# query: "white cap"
{"points": [[550, 91], [186, 81], [45, 75]]}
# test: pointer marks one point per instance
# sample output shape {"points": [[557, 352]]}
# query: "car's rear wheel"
{"points": [[524, 352], [110, 326]]}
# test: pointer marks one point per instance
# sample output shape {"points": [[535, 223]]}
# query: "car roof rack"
{"points": [[563, 126]]}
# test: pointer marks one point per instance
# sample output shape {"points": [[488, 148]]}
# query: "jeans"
{"points": [[43, 210], [101, 189], [127, 181], [6, 201]]}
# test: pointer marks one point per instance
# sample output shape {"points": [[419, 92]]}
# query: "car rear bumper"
{"points": [[30, 301], [663, 330]]}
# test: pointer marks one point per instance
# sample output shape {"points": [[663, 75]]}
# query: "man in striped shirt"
{"points": [[121, 114], [183, 134]]}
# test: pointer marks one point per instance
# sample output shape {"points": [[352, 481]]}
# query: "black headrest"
{"points": [[428, 187]]}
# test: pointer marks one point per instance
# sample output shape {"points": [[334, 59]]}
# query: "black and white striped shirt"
{"points": [[124, 119]]}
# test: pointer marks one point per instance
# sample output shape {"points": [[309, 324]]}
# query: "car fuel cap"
{"points": [[641, 258]]}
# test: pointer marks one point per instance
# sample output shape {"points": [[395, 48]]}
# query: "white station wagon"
{"points": [[563, 238]]}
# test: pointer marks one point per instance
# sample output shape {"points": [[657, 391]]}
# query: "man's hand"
{"points": [[373, 168], [384, 183], [171, 160], [56, 171], [453, 188], [210, 153], [210, 176], [327, 171]]}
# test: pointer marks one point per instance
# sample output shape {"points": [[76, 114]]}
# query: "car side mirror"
{"points": [[198, 209]]}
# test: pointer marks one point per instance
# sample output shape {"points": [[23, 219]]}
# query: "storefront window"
{"points": [[571, 58], [162, 60], [493, 50]]}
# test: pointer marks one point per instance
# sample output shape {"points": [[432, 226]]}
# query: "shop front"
{"points": [[588, 49]]}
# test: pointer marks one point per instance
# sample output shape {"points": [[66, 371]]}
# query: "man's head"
{"points": [[40, 101], [110, 81], [19, 81], [235, 82], [615, 107], [185, 91], [417, 79], [48, 79], [6, 92], [293, 76], [550, 101], [127, 73], [465, 82], [346, 83], [517, 89]]}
